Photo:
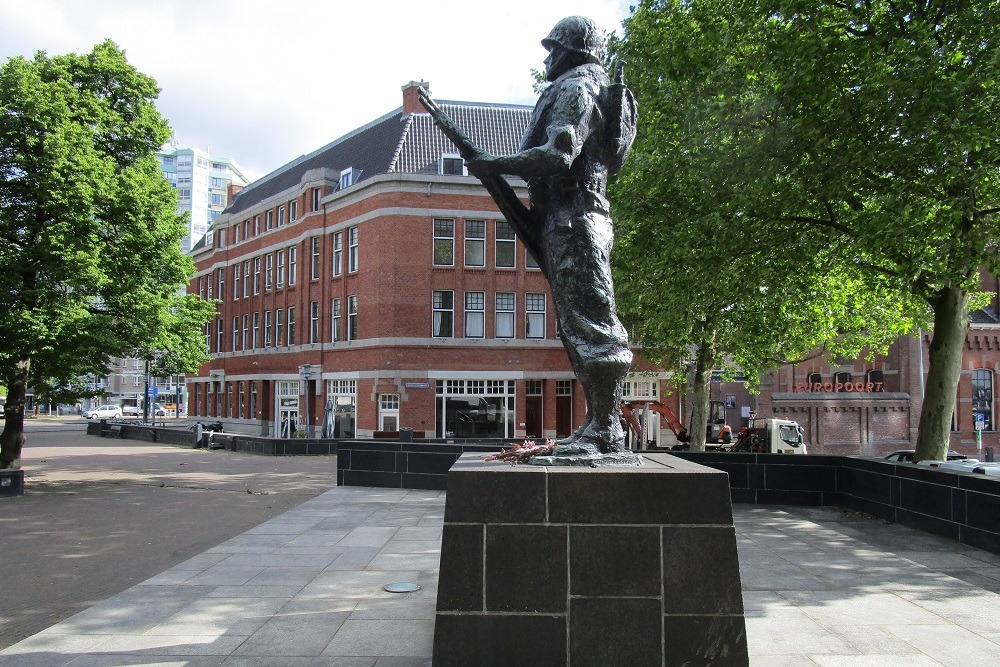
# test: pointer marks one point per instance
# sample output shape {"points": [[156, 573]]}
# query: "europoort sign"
{"points": [[828, 387]]}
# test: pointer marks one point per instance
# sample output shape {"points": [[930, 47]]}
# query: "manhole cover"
{"points": [[401, 587]]}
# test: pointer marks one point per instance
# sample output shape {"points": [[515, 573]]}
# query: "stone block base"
{"points": [[589, 566]]}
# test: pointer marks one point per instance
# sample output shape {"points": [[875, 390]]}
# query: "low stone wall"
{"points": [[401, 465]]}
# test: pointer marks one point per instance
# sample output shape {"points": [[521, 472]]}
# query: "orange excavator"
{"points": [[718, 435]]}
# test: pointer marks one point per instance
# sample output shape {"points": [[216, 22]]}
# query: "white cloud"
{"points": [[264, 82]]}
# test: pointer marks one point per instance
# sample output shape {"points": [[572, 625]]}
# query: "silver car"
{"points": [[104, 412]]}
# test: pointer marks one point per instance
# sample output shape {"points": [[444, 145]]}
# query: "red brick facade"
{"points": [[373, 243]]}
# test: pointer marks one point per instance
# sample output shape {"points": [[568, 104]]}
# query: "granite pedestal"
{"points": [[589, 566]]}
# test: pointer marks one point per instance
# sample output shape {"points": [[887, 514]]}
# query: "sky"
{"points": [[264, 82]]}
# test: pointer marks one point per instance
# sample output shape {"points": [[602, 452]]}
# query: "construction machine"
{"points": [[718, 434]]}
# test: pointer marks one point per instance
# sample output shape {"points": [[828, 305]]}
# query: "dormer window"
{"points": [[346, 178], [452, 165]]}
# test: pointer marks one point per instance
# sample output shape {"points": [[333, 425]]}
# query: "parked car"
{"points": [[159, 410], [966, 465], [104, 412], [906, 456]]}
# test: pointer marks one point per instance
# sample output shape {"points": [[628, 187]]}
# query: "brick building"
{"points": [[372, 286], [873, 408]]}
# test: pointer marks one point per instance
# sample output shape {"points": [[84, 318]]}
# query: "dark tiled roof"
{"points": [[984, 316], [396, 144], [496, 129]]}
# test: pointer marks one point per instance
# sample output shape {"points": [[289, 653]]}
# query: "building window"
{"points": [[256, 275], [221, 276], [293, 253], [237, 280], [876, 380], [246, 331], [256, 225], [314, 199], [475, 243], [293, 211], [267, 328], [815, 381], [246, 278], [269, 217], [444, 311], [534, 315], [314, 321], [841, 381], [352, 250], [218, 199], [444, 242], [388, 412], [280, 278], [246, 229], [506, 246], [253, 399], [475, 314], [281, 216], [279, 327], [256, 330], [338, 253], [504, 324], [474, 408], [236, 333], [982, 397], [335, 314], [342, 394], [239, 400], [452, 165], [315, 257], [352, 318], [220, 334], [291, 325], [346, 178], [269, 271], [208, 281]]}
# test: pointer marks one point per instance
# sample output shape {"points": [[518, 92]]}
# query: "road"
{"points": [[98, 515]]}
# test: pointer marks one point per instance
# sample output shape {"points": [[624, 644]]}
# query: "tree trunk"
{"points": [[951, 324], [702, 387], [12, 436]]}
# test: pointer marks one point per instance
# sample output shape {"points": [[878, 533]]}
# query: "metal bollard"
{"points": [[197, 434]]}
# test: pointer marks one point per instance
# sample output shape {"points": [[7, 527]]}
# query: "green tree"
{"points": [[90, 260], [713, 264]]}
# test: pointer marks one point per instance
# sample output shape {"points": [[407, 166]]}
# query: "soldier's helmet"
{"points": [[577, 33]]}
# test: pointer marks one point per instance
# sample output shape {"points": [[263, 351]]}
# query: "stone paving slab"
{"points": [[822, 587]]}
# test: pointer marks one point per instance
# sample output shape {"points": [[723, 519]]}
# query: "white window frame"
{"points": [[442, 307], [475, 314], [335, 320], [445, 238], [315, 250], [475, 237], [279, 280], [504, 242], [293, 267], [352, 317], [269, 272], [352, 250], [267, 328], [279, 327], [314, 321], [534, 314], [452, 156], [506, 315], [256, 331], [338, 253]]}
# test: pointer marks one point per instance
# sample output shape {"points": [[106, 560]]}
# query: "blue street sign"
{"points": [[980, 416]]}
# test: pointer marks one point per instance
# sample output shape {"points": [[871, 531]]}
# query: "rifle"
{"points": [[522, 219]]}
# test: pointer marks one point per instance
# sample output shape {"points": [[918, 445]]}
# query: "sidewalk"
{"points": [[821, 587]]}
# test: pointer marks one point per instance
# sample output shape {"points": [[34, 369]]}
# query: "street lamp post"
{"points": [[306, 372]]}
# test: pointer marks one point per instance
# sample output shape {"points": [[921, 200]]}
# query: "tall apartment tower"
{"points": [[203, 185]]}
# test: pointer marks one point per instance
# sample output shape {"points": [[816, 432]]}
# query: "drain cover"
{"points": [[401, 587]]}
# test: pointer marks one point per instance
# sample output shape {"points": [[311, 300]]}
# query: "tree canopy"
{"points": [[90, 261], [857, 137]]}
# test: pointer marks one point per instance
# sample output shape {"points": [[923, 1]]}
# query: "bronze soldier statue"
{"points": [[580, 131]]}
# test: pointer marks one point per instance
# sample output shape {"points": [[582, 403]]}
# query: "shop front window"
{"points": [[982, 397], [475, 408]]}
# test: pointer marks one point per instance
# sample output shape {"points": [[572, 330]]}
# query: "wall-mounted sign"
{"points": [[418, 385]]}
